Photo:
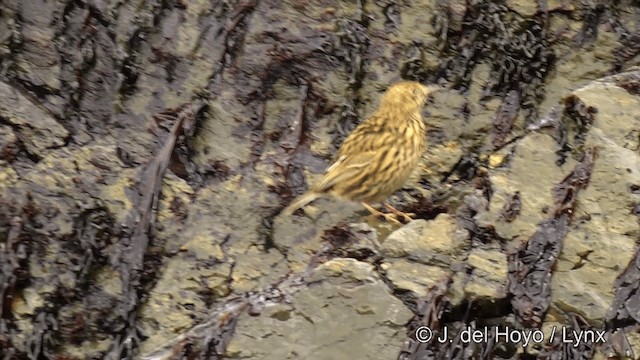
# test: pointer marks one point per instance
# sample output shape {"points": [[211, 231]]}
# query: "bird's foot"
{"points": [[390, 217], [408, 217]]}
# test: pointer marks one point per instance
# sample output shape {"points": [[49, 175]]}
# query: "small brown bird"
{"points": [[379, 155]]}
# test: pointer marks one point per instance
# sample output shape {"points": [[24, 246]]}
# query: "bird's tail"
{"points": [[299, 202]]}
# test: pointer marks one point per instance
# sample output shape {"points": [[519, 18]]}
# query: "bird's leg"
{"points": [[406, 216], [389, 217]]}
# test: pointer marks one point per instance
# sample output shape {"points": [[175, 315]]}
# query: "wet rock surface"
{"points": [[147, 147]]}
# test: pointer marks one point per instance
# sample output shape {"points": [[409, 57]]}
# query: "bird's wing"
{"points": [[365, 137], [344, 168], [359, 152]]}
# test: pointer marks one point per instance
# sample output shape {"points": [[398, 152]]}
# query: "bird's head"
{"points": [[406, 95]]}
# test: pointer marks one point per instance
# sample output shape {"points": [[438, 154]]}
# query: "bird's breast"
{"points": [[415, 135]]}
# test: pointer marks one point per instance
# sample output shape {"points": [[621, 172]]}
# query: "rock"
{"points": [[284, 82], [36, 128], [523, 7], [488, 278], [414, 277], [347, 312], [437, 242], [8, 144], [533, 173], [435, 250], [603, 240]]}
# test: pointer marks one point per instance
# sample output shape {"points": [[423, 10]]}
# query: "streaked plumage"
{"points": [[379, 155]]}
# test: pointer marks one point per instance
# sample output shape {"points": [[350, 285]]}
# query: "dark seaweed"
{"points": [[530, 268], [517, 49]]}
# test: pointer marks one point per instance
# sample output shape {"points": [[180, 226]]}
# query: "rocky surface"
{"points": [[147, 147], [341, 291]]}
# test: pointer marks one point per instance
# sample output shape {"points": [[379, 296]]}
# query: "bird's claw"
{"points": [[408, 217], [390, 217], [393, 218]]}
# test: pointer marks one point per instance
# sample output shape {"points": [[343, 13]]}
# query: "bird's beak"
{"points": [[430, 89], [435, 88]]}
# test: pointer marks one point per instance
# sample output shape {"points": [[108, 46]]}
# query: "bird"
{"points": [[378, 156]]}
